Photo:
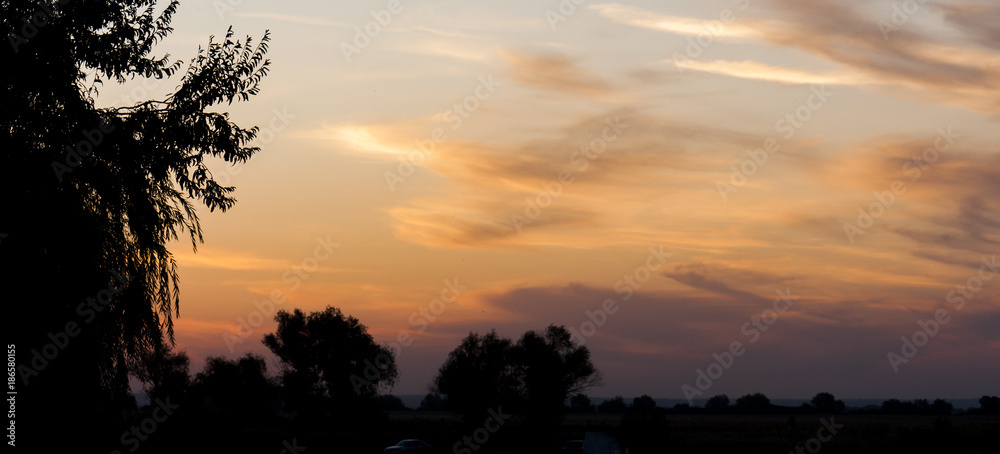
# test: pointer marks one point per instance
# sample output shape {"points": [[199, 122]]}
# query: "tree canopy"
{"points": [[753, 402], [167, 374], [328, 356], [580, 403], [827, 403], [237, 387], [92, 195], [613, 405], [718, 402], [534, 376]]}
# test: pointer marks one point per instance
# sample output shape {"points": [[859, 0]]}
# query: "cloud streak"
{"points": [[927, 68]]}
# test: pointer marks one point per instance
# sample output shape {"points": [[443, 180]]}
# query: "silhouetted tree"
{"points": [[613, 405], [328, 357], [433, 402], [826, 403], [389, 402], [549, 368], [989, 405], [644, 403], [478, 375], [916, 407], [717, 403], [239, 388], [644, 426], [753, 403], [580, 403], [93, 195], [534, 377], [166, 374], [941, 407]]}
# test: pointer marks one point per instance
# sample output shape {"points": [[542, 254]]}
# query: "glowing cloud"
{"points": [[638, 17], [761, 71]]}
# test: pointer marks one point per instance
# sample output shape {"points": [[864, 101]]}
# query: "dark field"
{"points": [[192, 430], [708, 433]]}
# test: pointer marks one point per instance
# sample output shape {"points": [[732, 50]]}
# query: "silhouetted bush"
{"points": [[332, 366], [644, 426], [580, 403], [827, 403], [388, 402], [433, 402], [239, 388], [615, 405], [989, 405], [532, 377], [753, 403], [717, 403]]}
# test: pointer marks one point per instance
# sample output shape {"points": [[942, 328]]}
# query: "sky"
{"points": [[802, 183]]}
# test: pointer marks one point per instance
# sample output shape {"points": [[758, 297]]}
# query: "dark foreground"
{"points": [[678, 434], [741, 433]]}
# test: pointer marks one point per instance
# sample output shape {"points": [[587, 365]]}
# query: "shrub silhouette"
{"points": [[532, 377], [717, 403], [612, 406], [330, 364]]}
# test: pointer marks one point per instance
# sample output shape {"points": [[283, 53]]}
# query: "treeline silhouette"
{"points": [[331, 372], [332, 378], [749, 404]]}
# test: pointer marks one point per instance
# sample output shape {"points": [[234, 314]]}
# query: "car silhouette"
{"points": [[411, 446]]}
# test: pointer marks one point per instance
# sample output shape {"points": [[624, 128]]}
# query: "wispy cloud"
{"points": [[914, 64], [361, 139], [975, 19], [488, 184], [555, 73], [305, 20], [760, 71], [222, 259], [638, 17]]}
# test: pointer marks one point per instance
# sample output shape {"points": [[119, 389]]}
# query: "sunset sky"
{"points": [[575, 152]]}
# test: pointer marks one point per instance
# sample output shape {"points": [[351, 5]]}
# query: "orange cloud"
{"points": [[907, 63], [559, 74]]}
